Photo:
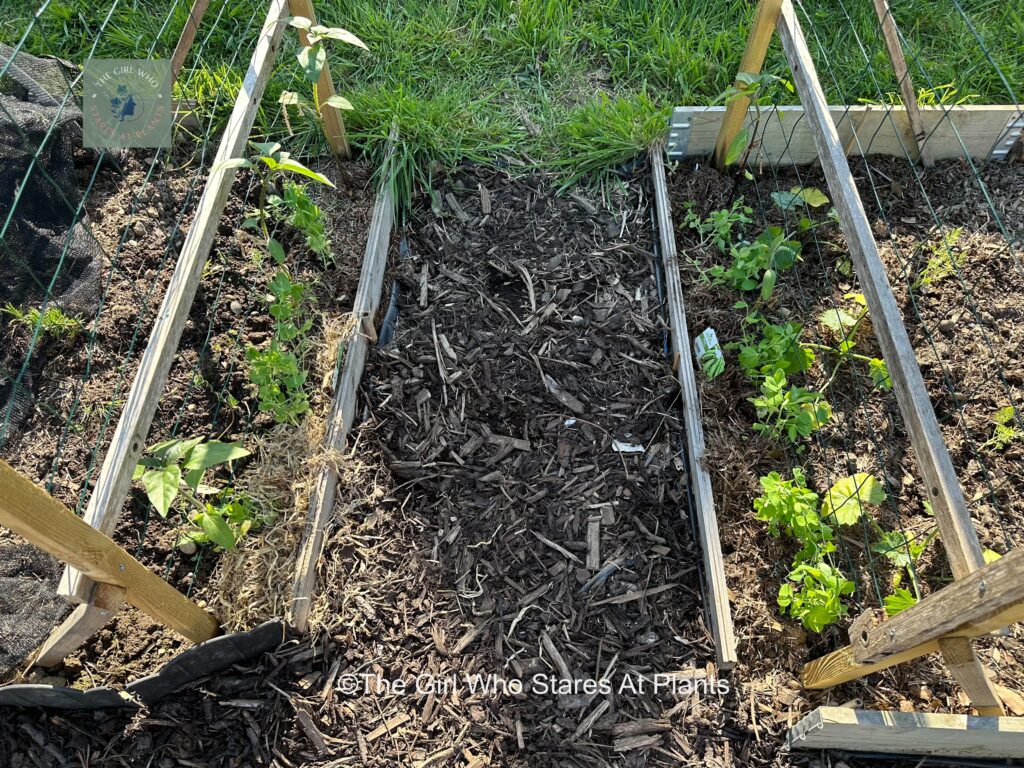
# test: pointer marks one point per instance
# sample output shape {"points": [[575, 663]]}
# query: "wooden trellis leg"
{"points": [[44, 522], [334, 126], [963, 664], [753, 59], [188, 36], [958, 535], [84, 622], [899, 65]]}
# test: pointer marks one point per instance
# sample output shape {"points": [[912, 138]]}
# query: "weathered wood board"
{"points": [[909, 733], [784, 135]]}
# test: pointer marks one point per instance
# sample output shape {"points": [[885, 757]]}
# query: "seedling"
{"points": [[796, 196], [313, 58], [814, 590], [790, 508], [779, 348], [817, 600], [174, 471], [1004, 430], [944, 261], [845, 500], [783, 409], [297, 208], [718, 226], [898, 601], [279, 381], [843, 324], [53, 321], [751, 86], [276, 371], [757, 265], [271, 162]]}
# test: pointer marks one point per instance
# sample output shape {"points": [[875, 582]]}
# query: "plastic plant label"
{"points": [[709, 353]]}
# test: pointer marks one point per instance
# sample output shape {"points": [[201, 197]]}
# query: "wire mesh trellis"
{"points": [[70, 353], [949, 238]]}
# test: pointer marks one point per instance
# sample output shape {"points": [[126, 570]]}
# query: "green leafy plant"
{"points": [[846, 499], [814, 590], [814, 594], [843, 323], [752, 86], [175, 470], [312, 58], [718, 227], [1004, 430], [796, 196], [945, 260], [778, 348], [53, 321], [276, 371], [898, 601], [787, 410], [903, 552], [271, 162], [756, 265], [297, 208], [790, 508]]}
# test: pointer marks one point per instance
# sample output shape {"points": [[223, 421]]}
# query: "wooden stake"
{"points": [[188, 36], [84, 622], [334, 125], [761, 32], [129, 438], [43, 521], [899, 66]]}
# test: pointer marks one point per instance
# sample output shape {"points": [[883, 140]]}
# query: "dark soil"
{"points": [[81, 384], [981, 371]]}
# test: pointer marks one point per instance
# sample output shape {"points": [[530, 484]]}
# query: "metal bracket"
{"points": [[679, 132], [1010, 136]]}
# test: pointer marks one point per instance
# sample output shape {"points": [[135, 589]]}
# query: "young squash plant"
{"points": [[788, 410], [173, 473], [814, 589], [843, 323]]}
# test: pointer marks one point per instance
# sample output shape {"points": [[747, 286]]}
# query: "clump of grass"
{"points": [[53, 321], [607, 132]]}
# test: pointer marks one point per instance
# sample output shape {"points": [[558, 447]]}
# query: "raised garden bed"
{"points": [[962, 315], [78, 390]]}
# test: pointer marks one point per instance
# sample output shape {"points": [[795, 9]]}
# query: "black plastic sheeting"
{"points": [[199, 662]]}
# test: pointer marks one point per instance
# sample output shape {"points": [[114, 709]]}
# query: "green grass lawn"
{"points": [[572, 85]]}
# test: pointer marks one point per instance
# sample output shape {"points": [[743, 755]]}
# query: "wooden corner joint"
{"points": [[861, 629]]}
